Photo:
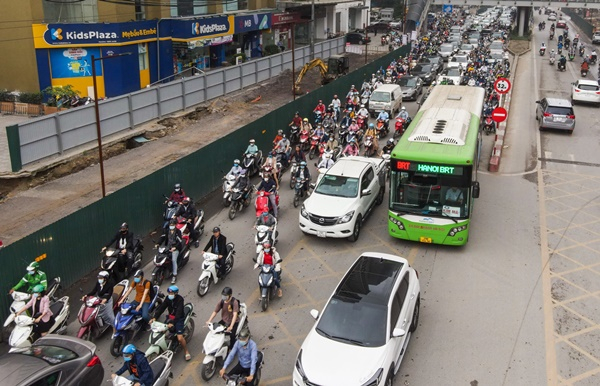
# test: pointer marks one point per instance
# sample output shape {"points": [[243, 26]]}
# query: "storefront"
{"points": [[64, 56], [249, 31], [282, 27]]}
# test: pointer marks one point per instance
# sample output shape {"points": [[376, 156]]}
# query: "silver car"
{"points": [[555, 113]]}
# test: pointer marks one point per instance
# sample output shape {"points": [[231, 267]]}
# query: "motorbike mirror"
{"points": [[314, 313]]}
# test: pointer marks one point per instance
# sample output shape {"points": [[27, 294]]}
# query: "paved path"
{"points": [[7, 120]]}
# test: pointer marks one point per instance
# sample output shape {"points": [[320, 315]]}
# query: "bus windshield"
{"points": [[431, 193]]}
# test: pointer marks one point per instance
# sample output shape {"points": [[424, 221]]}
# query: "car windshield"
{"points": [[418, 69], [460, 59], [339, 186], [496, 46], [588, 87], [466, 47], [432, 59], [453, 72], [444, 48], [408, 82], [50, 354], [433, 194]]}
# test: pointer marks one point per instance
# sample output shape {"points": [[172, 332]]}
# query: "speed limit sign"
{"points": [[502, 85]]}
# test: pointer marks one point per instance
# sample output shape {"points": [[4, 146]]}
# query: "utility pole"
{"points": [[312, 30]]}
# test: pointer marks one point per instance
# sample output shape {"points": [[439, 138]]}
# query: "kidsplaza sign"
{"points": [[97, 33]]}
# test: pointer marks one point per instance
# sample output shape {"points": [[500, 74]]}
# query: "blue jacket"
{"points": [[139, 367], [247, 355]]}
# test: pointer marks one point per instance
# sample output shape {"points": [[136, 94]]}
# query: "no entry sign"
{"points": [[499, 114], [502, 85]]}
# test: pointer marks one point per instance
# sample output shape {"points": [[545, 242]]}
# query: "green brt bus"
{"points": [[433, 168]]}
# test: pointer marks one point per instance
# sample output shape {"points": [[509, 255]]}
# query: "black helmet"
{"points": [[173, 222], [138, 273], [124, 226], [227, 291]]}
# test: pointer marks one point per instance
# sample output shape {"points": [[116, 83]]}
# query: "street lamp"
{"points": [[98, 131]]}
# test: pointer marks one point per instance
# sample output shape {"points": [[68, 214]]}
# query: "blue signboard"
{"points": [[49, 35], [73, 62], [247, 23], [205, 27], [447, 8]]}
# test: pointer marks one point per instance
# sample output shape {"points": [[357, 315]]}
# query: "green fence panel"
{"points": [[585, 26], [72, 244], [14, 147]]}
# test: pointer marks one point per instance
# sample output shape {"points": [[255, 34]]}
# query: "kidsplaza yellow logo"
{"points": [[56, 33]]}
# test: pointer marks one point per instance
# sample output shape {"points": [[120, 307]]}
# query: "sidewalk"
{"points": [[7, 120]]}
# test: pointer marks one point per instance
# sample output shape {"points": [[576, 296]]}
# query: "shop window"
{"points": [[70, 12], [143, 56]]}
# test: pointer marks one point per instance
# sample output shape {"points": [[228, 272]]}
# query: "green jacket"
{"points": [[31, 281]]}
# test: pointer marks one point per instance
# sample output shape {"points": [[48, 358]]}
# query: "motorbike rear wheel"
{"points": [[158, 277], [115, 347], [232, 211], [188, 331], [208, 370], [6, 331], [312, 153], [203, 286]]}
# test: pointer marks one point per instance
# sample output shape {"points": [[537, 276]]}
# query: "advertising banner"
{"points": [[73, 62], [210, 27], [90, 34], [247, 23]]}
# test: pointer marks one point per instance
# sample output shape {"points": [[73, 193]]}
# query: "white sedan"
{"points": [[585, 91], [459, 61], [361, 336]]}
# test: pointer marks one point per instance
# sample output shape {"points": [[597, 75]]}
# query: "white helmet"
{"points": [[327, 155], [403, 108], [103, 274], [362, 106]]}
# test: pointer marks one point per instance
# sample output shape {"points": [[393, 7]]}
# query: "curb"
{"points": [[496, 156]]}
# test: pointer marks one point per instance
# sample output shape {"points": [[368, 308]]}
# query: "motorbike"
{"points": [[264, 234], [161, 368], [216, 344], [92, 325], [488, 125], [552, 60], [252, 162], [77, 101], [542, 51], [369, 145], [293, 171], [314, 146], [209, 269], [23, 336], [266, 284], [561, 67], [262, 202], [163, 265], [238, 380], [19, 301], [169, 212], [399, 127], [184, 227], [383, 128], [571, 56], [230, 181], [111, 256], [294, 134], [299, 192], [240, 199], [593, 59], [128, 323], [304, 141], [584, 72], [361, 122], [163, 339]]}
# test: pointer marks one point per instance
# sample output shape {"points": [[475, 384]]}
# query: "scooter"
{"points": [[266, 284], [161, 368], [304, 141], [552, 60], [299, 192], [228, 184], [584, 72], [542, 51], [216, 344], [163, 339], [128, 323], [314, 146], [183, 227], [240, 199], [109, 261], [383, 128], [561, 67], [369, 146], [264, 234], [293, 171], [238, 380], [262, 202], [163, 265], [399, 127], [489, 126], [209, 269], [23, 335], [19, 301], [252, 162], [92, 325]]}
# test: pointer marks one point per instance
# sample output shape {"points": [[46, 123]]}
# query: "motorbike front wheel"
{"points": [[208, 370], [158, 276], [203, 286], [292, 181], [312, 153], [232, 211], [296, 199], [115, 347], [226, 202], [264, 302], [188, 331]]}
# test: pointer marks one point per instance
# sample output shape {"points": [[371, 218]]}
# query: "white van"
{"points": [[387, 97]]}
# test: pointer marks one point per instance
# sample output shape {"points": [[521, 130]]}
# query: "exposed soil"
{"points": [[518, 47]]}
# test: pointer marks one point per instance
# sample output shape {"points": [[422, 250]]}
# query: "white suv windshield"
{"points": [[338, 186]]}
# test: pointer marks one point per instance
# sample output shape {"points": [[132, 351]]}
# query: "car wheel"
{"points": [[389, 381], [356, 230], [380, 196], [415, 319]]}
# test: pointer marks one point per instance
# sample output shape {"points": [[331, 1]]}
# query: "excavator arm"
{"points": [[313, 63]]}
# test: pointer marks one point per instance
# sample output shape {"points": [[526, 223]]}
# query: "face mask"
{"points": [[235, 165], [137, 279], [126, 359], [31, 272], [224, 298], [100, 281], [266, 179], [171, 297], [171, 227], [35, 295], [267, 250], [243, 342], [177, 189]]}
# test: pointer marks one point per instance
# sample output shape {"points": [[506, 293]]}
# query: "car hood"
{"points": [[407, 90], [421, 74], [347, 364], [328, 206]]}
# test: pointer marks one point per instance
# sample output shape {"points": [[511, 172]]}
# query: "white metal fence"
{"points": [[51, 135]]}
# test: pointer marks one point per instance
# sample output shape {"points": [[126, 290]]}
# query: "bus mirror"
{"points": [[476, 189]]}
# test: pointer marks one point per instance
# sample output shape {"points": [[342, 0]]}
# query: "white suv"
{"points": [[362, 334], [343, 197]]}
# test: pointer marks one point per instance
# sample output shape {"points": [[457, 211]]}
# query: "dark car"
{"points": [[436, 62], [53, 360], [381, 26], [412, 87], [357, 38], [425, 72]]}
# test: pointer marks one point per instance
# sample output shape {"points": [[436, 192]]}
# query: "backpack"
{"points": [[152, 291], [233, 300]]}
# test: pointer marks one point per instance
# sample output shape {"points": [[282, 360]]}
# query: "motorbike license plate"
{"points": [[321, 234], [426, 240]]}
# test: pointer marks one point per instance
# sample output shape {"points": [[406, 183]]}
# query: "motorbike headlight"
{"points": [[303, 212], [346, 218]]}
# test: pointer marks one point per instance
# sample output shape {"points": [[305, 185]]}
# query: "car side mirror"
{"points": [[315, 314], [398, 332], [476, 189], [537, 101], [365, 192]]}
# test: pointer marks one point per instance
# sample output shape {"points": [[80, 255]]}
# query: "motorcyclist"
{"points": [[103, 289], [178, 194], [585, 67], [271, 162], [552, 54], [562, 61], [306, 128], [332, 144], [383, 116], [142, 299], [319, 132], [243, 184], [123, 242], [403, 113], [188, 212], [298, 155], [40, 310], [271, 186], [363, 112], [303, 174], [247, 354], [33, 277], [350, 94], [543, 46], [320, 107], [283, 148], [326, 162], [389, 146], [366, 94], [218, 245], [137, 365], [354, 128], [347, 118], [337, 105], [278, 137], [269, 256], [236, 169], [173, 241], [176, 318], [351, 148], [252, 148], [229, 308], [296, 121], [372, 131], [268, 220], [593, 56]]}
